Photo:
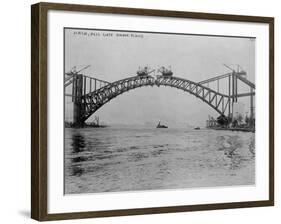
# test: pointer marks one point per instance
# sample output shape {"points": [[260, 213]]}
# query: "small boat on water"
{"points": [[161, 125], [197, 128]]}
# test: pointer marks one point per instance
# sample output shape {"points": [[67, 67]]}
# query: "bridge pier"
{"points": [[89, 98], [251, 105], [229, 95], [77, 103]]}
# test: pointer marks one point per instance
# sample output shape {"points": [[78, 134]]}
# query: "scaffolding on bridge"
{"points": [[88, 94], [233, 79]]}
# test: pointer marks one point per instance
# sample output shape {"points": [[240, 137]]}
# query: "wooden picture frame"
{"points": [[39, 110]]}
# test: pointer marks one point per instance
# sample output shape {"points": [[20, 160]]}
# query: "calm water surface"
{"points": [[129, 159]]}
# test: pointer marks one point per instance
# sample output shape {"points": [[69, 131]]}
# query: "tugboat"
{"points": [[161, 125]]}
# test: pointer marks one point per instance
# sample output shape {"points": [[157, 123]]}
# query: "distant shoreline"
{"points": [[232, 129], [86, 125]]}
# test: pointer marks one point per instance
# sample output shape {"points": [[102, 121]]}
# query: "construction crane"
{"points": [[165, 72], [145, 71], [74, 72], [241, 72], [68, 80], [228, 67]]}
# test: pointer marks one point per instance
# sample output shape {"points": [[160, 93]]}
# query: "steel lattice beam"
{"points": [[96, 99]]}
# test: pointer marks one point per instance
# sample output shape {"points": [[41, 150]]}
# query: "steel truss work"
{"points": [[90, 94]]}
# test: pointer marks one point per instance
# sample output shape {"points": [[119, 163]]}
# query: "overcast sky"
{"points": [[117, 55]]}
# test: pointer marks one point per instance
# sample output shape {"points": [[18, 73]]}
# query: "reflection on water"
{"points": [[124, 159], [78, 143]]}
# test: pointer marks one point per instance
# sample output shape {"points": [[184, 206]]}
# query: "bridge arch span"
{"points": [[91, 102]]}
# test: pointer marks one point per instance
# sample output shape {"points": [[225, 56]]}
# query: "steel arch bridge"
{"points": [[89, 94]]}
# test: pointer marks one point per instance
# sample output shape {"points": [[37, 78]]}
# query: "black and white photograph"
{"points": [[148, 111]]}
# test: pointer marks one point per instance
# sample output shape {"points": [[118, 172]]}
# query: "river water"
{"points": [[129, 159]]}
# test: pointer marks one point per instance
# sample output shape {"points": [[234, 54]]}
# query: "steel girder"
{"points": [[93, 101]]}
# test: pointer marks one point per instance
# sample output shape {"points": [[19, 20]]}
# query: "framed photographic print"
{"points": [[141, 111]]}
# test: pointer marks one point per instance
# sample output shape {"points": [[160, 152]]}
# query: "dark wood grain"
{"points": [[35, 113], [38, 112], [39, 204], [271, 111]]}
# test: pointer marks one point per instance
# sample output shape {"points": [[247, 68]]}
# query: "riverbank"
{"points": [[233, 129], [85, 125]]}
